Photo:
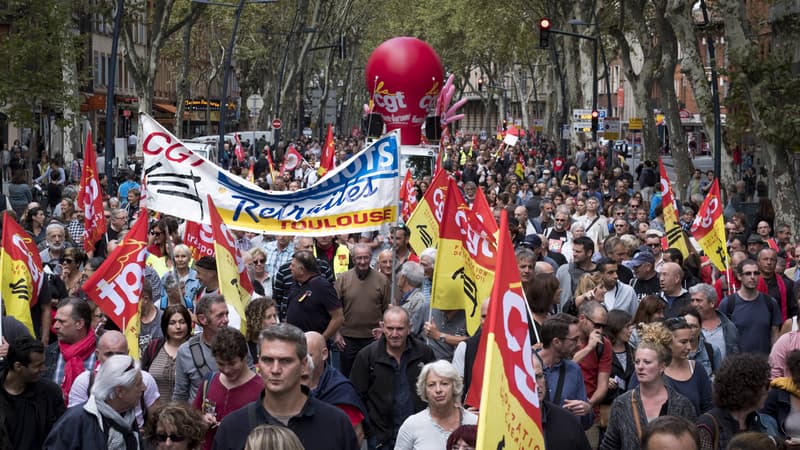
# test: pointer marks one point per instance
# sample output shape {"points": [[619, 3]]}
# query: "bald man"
{"points": [[385, 262], [330, 386], [543, 267], [670, 279], [112, 343]]}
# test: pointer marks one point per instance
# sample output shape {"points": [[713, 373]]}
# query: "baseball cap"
{"points": [[532, 241], [642, 256], [207, 262]]}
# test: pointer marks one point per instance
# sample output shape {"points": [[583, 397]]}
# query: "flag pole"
{"points": [[397, 224]]}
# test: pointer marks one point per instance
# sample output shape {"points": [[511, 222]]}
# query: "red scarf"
{"points": [[762, 287], [74, 355]]}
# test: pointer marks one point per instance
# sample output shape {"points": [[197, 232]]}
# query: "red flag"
{"points": [[408, 195], [90, 198], [503, 368], [291, 160], [271, 165], [328, 153], [21, 272], [117, 284], [481, 208], [250, 176], [199, 238], [234, 283], [238, 149]]}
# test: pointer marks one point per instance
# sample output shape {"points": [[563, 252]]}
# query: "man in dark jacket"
{"points": [[389, 402], [29, 403]]}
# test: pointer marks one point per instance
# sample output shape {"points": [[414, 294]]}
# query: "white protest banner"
{"points": [[359, 195]]}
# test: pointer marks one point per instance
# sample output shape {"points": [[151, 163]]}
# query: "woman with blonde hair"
{"points": [[633, 410], [257, 269], [272, 437], [439, 384]]}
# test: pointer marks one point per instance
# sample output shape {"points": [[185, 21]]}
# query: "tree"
{"points": [[41, 33], [763, 97]]}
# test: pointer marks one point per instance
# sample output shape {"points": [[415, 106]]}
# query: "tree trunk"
{"points": [[183, 78], [669, 101]]}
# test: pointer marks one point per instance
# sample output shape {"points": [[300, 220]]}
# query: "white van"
{"points": [[206, 149]]}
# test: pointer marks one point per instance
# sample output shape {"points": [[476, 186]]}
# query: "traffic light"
{"points": [[544, 33], [595, 120], [480, 84]]}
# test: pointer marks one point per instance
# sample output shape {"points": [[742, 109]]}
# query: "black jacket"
{"points": [[562, 429], [625, 375], [373, 377], [40, 404]]}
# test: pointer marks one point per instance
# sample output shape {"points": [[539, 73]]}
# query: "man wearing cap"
{"points": [[559, 234], [754, 245], [206, 268], [645, 281], [569, 274], [652, 240], [534, 243]]}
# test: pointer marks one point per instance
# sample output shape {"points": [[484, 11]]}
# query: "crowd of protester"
{"points": [[636, 343]]}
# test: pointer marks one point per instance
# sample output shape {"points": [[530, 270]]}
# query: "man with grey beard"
{"points": [[365, 294], [55, 245]]}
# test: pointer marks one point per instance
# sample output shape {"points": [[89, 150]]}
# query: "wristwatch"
{"points": [[442, 339]]}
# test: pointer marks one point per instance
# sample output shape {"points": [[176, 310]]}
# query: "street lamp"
{"points": [[226, 70], [701, 19], [594, 66]]}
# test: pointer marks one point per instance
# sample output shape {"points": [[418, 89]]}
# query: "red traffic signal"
{"points": [[595, 114], [544, 33], [595, 120]]}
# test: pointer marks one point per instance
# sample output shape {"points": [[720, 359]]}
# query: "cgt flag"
{"points": [[408, 196], [673, 230], [90, 198], [234, 284], [20, 272], [708, 229], [512, 419], [199, 238], [328, 153], [291, 160], [465, 260], [425, 220], [117, 284]]}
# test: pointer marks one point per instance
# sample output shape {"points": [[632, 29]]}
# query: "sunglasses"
{"points": [[259, 261], [597, 325], [67, 261], [172, 437]]}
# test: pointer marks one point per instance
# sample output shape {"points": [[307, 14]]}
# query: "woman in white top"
{"points": [[440, 386]]}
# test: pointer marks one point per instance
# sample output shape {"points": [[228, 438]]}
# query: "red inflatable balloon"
{"points": [[404, 76]]}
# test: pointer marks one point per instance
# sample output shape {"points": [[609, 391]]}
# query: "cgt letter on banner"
{"points": [[359, 195]]}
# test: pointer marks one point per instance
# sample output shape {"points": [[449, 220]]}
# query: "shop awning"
{"points": [[166, 107]]}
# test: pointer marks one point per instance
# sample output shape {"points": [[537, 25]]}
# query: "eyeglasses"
{"points": [[110, 354], [67, 261], [259, 261], [596, 325], [172, 437], [674, 321]]}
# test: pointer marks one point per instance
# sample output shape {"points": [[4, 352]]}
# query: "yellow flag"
{"points": [[708, 229], [464, 269], [427, 216], [511, 414], [20, 272], [234, 284], [675, 237]]}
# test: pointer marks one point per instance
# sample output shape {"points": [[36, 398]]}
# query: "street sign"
{"points": [[586, 114], [612, 127], [276, 124], [582, 126], [538, 125], [255, 103], [635, 123]]}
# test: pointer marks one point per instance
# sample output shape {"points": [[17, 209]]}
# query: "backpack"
{"points": [[198, 358], [732, 304]]}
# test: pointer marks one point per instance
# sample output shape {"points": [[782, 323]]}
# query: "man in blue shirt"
{"points": [[565, 385]]}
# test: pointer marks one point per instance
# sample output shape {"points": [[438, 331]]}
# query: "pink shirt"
{"points": [[777, 357]]}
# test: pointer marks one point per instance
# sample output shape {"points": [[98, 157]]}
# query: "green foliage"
{"points": [[41, 39], [769, 88]]}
